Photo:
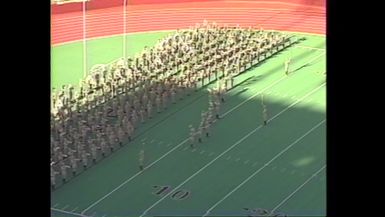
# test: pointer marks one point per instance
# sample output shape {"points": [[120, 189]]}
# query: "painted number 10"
{"points": [[258, 212], [164, 189]]}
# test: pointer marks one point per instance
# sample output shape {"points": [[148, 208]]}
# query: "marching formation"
{"points": [[216, 98], [105, 111]]}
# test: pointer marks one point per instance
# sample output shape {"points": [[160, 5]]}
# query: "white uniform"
{"points": [[192, 136], [130, 130], [94, 152], [53, 176], [142, 115], [74, 164], [141, 159], [85, 159], [158, 103], [121, 135], [103, 146], [63, 169], [112, 140], [149, 109], [264, 113], [287, 63], [134, 117], [127, 108]]}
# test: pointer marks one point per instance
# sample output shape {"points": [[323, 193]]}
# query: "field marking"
{"points": [[255, 164], [203, 151], [246, 162], [67, 212], [228, 149], [236, 160], [74, 209], [66, 206], [260, 169], [177, 146], [248, 99], [311, 48], [295, 191], [316, 57], [180, 144], [55, 205]]}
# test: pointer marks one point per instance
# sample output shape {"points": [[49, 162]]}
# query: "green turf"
{"points": [[210, 182], [67, 59]]}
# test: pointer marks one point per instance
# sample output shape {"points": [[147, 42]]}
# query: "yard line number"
{"points": [[161, 190]]}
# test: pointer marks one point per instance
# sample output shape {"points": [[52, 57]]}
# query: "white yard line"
{"points": [[260, 169], [67, 212], [296, 190], [177, 146], [183, 142], [311, 48], [228, 149]]}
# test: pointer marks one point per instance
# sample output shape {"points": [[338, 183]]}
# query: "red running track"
{"points": [[284, 16]]}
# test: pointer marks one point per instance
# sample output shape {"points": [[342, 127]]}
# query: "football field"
{"points": [[242, 169]]}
